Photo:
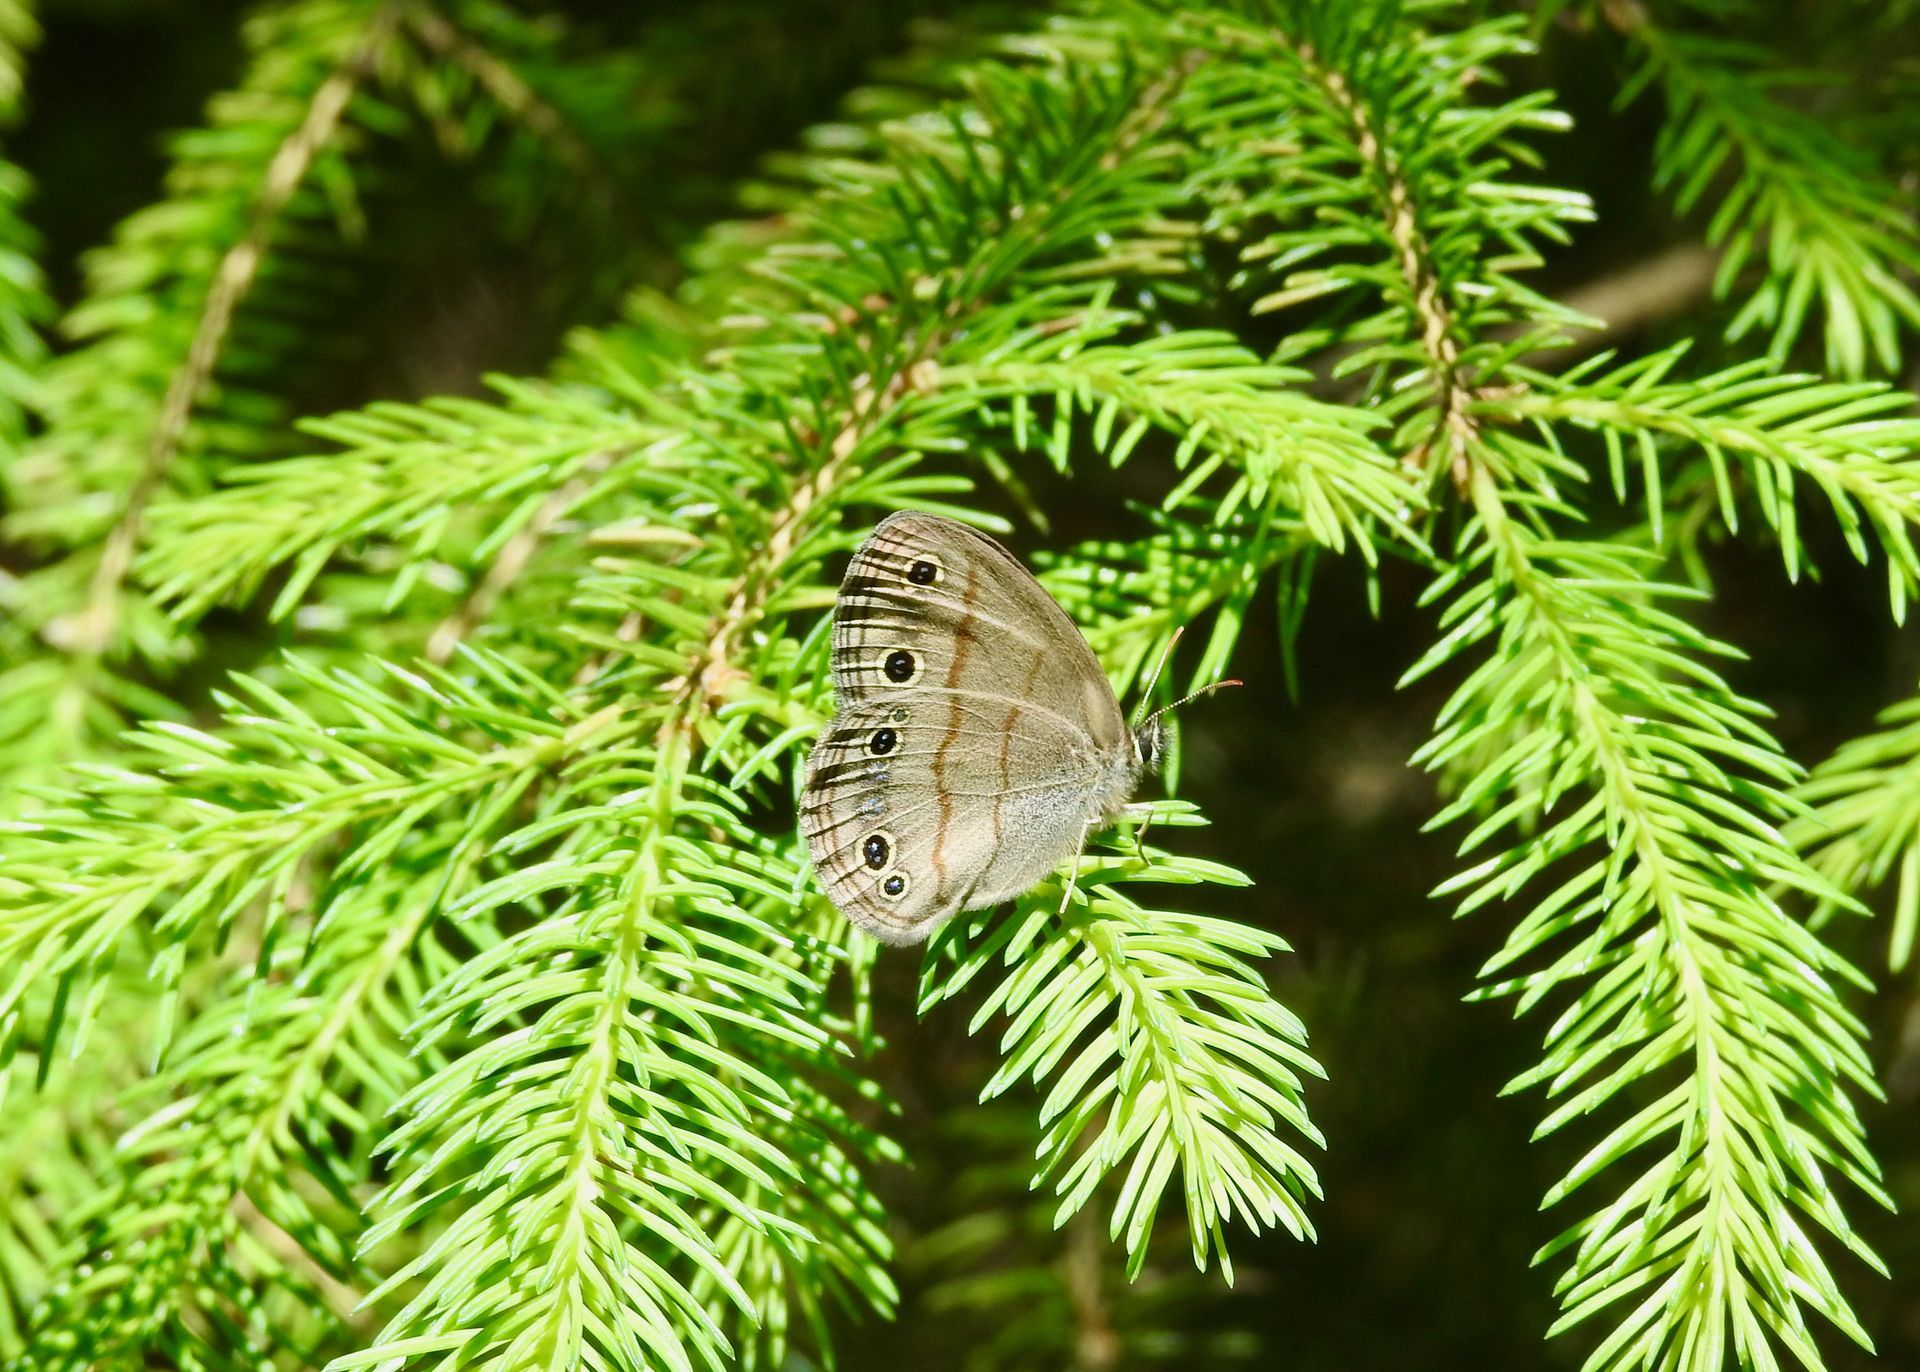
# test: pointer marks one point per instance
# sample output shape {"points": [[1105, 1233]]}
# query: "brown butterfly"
{"points": [[977, 739]]}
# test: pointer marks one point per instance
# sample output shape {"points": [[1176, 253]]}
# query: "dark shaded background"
{"points": [[1432, 1184]]}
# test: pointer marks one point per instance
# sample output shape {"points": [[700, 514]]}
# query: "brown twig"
{"points": [[508, 90], [1648, 291], [1096, 1345], [1437, 323]]}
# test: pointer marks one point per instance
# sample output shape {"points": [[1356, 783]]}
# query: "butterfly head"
{"points": [[1150, 744], [1150, 735]]}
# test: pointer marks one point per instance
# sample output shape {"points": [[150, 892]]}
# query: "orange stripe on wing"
{"points": [[962, 649]]}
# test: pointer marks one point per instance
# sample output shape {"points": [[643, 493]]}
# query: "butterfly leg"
{"points": [[1145, 813], [1073, 875], [1140, 839]]}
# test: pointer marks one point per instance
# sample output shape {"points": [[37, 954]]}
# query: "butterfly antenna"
{"points": [[1153, 678], [1192, 696]]}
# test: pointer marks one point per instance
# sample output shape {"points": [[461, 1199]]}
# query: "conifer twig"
{"points": [[1438, 334], [89, 632], [1708, 1261], [508, 89], [1807, 213]]}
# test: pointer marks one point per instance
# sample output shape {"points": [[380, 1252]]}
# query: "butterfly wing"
{"points": [[977, 736], [967, 615]]}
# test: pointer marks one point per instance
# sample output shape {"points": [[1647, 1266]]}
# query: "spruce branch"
{"points": [[403, 473], [231, 1193], [1419, 274], [89, 632], [1684, 970], [1164, 1055], [1830, 233], [161, 324], [1854, 443], [118, 409], [186, 331], [649, 1112], [1593, 702], [1284, 448], [209, 1229], [1339, 177], [240, 815], [668, 1133], [1861, 824]]}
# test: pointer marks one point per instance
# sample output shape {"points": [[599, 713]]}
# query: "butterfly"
{"points": [[977, 740]]}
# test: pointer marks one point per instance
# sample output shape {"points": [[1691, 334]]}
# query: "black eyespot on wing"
{"points": [[876, 850], [899, 665], [895, 886], [923, 573], [882, 741]]}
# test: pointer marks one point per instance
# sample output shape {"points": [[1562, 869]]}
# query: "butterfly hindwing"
{"points": [[937, 822]]}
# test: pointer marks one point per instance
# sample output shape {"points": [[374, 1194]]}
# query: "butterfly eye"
{"points": [[899, 666], [895, 885], [882, 741], [876, 850], [923, 572]]}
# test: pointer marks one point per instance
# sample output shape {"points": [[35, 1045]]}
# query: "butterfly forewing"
{"points": [[939, 591]]}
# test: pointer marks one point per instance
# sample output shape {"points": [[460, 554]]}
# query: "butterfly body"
{"points": [[977, 739]]}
